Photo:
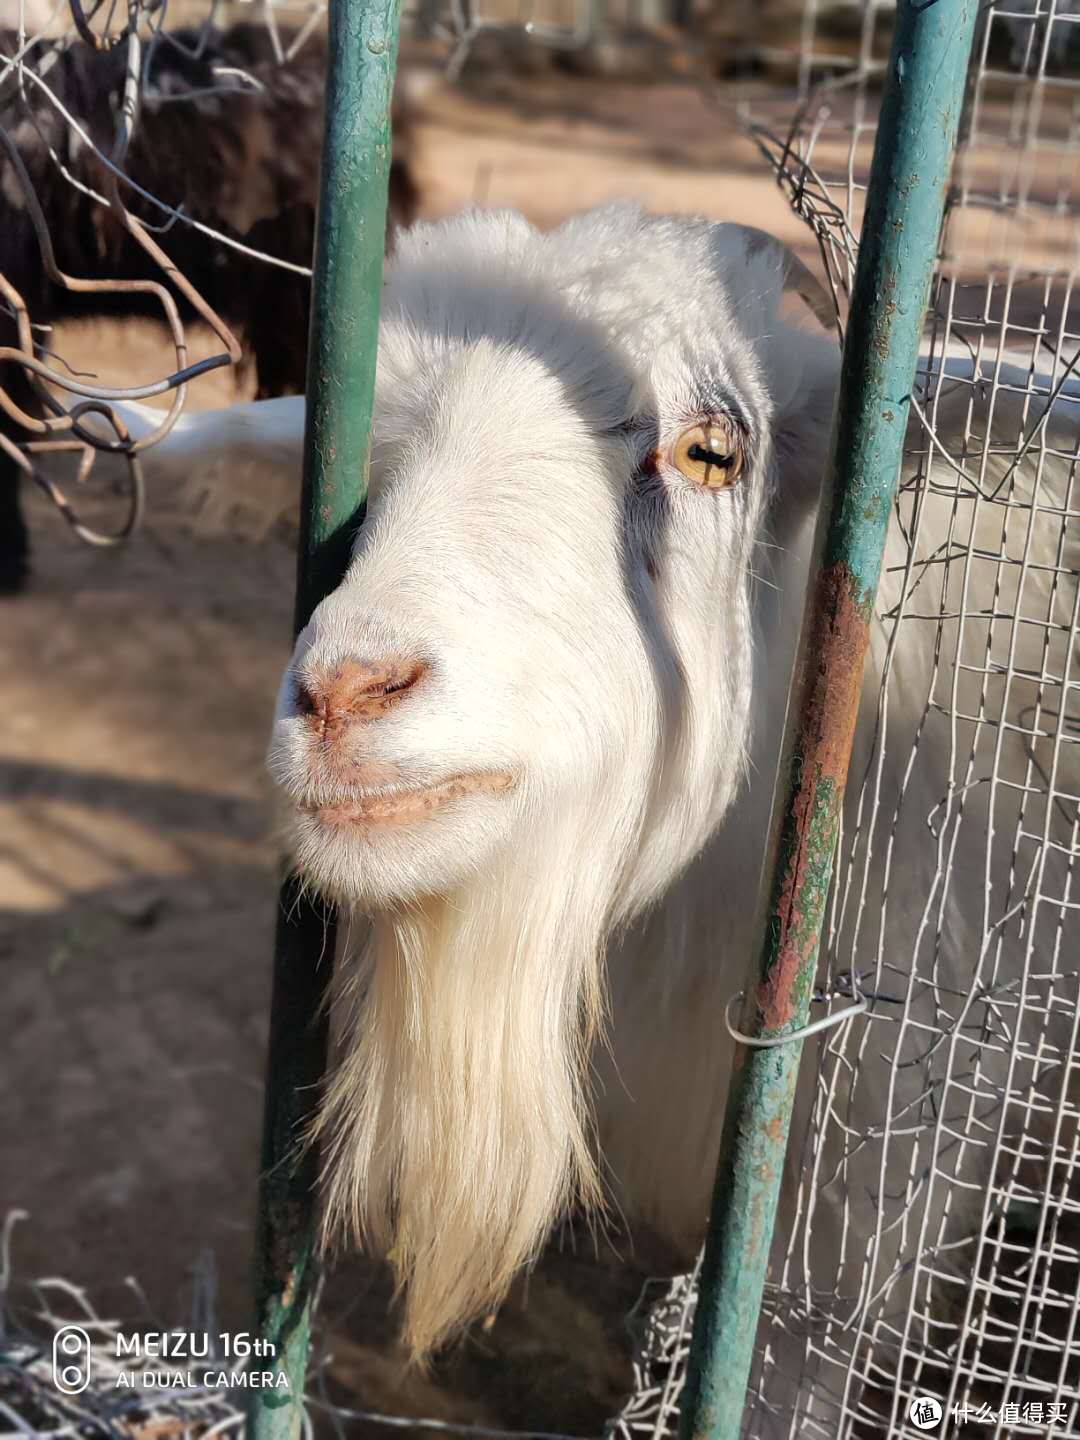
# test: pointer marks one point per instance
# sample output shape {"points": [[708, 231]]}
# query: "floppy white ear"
{"points": [[798, 279], [806, 369]]}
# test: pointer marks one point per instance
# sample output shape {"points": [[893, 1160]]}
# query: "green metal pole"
{"points": [[362, 55], [913, 153]]}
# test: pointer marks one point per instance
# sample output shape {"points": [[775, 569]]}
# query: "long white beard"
{"points": [[455, 1127]]}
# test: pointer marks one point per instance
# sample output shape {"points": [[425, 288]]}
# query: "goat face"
{"points": [[549, 606], [527, 705]]}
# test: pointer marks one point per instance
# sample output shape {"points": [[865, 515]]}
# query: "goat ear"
{"points": [[797, 277], [805, 419]]}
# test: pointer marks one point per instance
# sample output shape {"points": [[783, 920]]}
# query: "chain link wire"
{"points": [[928, 1247]]}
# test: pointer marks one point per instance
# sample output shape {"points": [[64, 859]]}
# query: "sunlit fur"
{"points": [[620, 640], [515, 528]]}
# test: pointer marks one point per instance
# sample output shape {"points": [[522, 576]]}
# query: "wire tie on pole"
{"points": [[827, 1022]]}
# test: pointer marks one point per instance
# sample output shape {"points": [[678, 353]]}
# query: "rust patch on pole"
{"points": [[836, 647], [898, 248]]}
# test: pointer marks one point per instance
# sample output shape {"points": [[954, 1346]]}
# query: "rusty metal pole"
{"points": [[362, 55], [916, 138]]}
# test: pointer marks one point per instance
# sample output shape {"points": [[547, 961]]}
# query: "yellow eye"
{"points": [[710, 454]]}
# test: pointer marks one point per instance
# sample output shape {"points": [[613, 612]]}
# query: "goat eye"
{"points": [[710, 454]]}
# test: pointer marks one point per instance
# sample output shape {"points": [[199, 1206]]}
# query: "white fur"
{"points": [[622, 646]]}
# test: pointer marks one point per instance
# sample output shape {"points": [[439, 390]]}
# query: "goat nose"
{"points": [[356, 690]]}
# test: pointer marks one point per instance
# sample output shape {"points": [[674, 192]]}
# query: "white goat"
{"points": [[532, 735]]}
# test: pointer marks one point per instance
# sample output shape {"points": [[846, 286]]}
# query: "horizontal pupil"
{"points": [[708, 457]]}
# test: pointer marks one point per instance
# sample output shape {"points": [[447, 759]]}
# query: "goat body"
{"points": [[532, 735]]}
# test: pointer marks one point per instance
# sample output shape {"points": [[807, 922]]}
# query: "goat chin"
{"points": [[493, 992]]}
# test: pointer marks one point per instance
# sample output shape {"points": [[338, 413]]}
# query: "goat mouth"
{"points": [[408, 805]]}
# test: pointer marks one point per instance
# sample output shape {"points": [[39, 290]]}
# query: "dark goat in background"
{"points": [[244, 161]]}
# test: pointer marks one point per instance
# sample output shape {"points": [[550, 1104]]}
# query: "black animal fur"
{"points": [[245, 163]]}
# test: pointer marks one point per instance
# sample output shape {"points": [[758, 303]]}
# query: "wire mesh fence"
{"points": [[929, 1245], [952, 1199], [928, 1254]]}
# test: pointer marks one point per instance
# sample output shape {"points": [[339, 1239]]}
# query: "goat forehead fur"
{"points": [[629, 310]]}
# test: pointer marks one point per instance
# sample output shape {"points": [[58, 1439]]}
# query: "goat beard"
{"points": [[454, 1127]]}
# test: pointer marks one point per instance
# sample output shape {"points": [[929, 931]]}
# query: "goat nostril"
{"points": [[305, 701], [356, 690]]}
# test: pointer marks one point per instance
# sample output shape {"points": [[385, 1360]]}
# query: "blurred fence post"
{"points": [[916, 137], [362, 55]]}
